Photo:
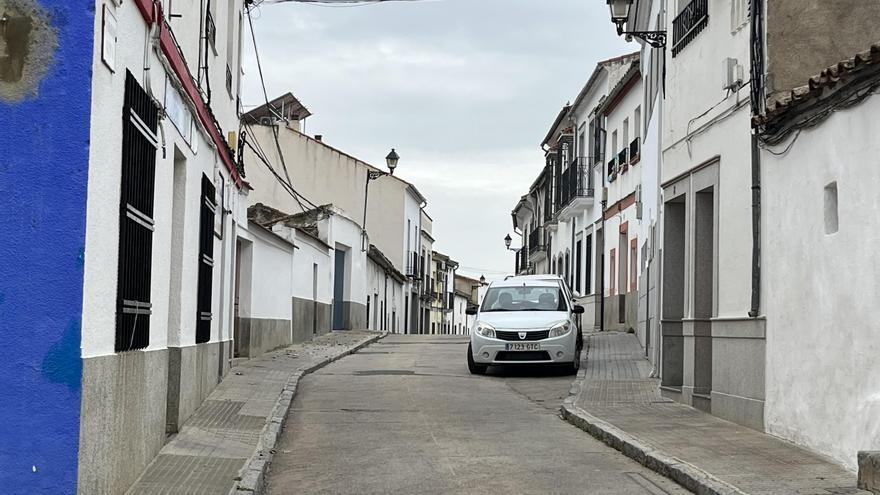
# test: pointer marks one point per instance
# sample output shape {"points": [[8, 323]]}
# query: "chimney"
{"points": [[319, 138]]}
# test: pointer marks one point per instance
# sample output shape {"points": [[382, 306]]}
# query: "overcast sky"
{"points": [[465, 90]]}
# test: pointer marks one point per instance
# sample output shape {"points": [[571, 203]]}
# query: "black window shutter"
{"points": [[140, 118], [206, 261]]}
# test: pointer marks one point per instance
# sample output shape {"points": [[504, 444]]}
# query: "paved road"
{"points": [[404, 416]]}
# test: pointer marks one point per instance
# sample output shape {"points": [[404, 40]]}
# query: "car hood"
{"points": [[515, 320]]}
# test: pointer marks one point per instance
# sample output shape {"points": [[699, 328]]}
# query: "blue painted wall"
{"points": [[44, 143]]}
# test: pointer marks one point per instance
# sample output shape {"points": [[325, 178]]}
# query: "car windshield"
{"points": [[523, 299]]}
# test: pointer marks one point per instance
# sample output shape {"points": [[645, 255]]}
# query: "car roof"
{"points": [[531, 282], [546, 276]]}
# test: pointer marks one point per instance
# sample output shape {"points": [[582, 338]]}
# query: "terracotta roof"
{"points": [[816, 86]]}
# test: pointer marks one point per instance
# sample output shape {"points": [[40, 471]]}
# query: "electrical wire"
{"points": [[288, 183], [286, 187], [264, 157], [859, 92]]}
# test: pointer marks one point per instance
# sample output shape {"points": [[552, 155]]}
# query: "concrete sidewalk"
{"points": [[228, 442], [615, 401]]}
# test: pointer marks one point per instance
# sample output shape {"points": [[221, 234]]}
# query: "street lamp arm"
{"points": [[375, 174], [657, 39]]}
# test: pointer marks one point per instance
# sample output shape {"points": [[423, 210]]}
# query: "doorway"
{"points": [[314, 299], [339, 290], [673, 295], [704, 288]]}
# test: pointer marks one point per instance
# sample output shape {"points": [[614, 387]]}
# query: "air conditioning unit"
{"points": [[731, 74], [267, 121]]}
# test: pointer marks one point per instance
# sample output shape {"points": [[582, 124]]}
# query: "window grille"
{"points": [[206, 261], [140, 119], [689, 23]]}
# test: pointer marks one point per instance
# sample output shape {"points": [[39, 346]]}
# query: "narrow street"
{"points": [[405, 416]]}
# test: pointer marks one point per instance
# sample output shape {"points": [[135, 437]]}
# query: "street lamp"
{"points": [[482, 280], [390, 160], [620, 10], [507, 241]]}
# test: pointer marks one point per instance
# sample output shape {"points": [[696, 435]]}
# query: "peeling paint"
{"points": [[27, 47]]}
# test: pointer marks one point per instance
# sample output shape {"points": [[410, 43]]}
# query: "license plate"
{"points": [[522, 347]]}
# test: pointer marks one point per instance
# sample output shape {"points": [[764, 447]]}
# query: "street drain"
{"points": [[384, 372]]}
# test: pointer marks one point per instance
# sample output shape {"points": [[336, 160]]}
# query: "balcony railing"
{"points": [[536, 240], [635, 151], [688, 24], [577, 181], [412, 264], [623, 160]]}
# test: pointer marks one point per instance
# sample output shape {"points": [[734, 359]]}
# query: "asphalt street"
{"points": [[404, 416]]}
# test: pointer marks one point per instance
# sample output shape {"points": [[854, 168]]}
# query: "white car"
{"points": [[526, 320]]}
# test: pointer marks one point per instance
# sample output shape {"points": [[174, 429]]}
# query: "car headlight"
{"points": [[485, 330], [560, 329]]}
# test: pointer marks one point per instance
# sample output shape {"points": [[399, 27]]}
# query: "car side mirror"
{"points": [[578, 309], [471, 310]]}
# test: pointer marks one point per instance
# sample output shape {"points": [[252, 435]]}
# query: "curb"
{"points": [[685, 474], [252, 477]]}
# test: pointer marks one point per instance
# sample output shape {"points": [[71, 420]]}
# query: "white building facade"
{"points": [[164, 194], [395, 214]]}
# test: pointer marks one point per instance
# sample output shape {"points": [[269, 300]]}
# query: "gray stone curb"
{"points": [[252, 477], [683, 473]]}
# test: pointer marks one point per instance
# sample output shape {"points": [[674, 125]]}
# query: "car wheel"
{"points": [[473, 367], [573, 367]]}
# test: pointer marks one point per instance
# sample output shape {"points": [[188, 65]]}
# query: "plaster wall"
{"points": [[43, 186], [648, 233], [461, 325], [327, 176], [384, 291], [806, 36], [272, 277], [265, 312], [821, 288], [621, 120], [345, 233], [311, 316], [308, 254]]}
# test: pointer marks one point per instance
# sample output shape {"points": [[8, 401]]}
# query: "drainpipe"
{"points": [[757, 95], [604, 204]]}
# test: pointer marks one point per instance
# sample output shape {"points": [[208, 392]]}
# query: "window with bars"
{"points": [[140, 119], [206, 261]]}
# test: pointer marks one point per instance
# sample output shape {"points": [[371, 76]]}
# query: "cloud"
{"points": [[464, 90]]}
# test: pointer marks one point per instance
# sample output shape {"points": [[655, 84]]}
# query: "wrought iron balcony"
{"points": [[688, 24], [577, 181], [635, 151], [412, 264], [536, 241]]}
